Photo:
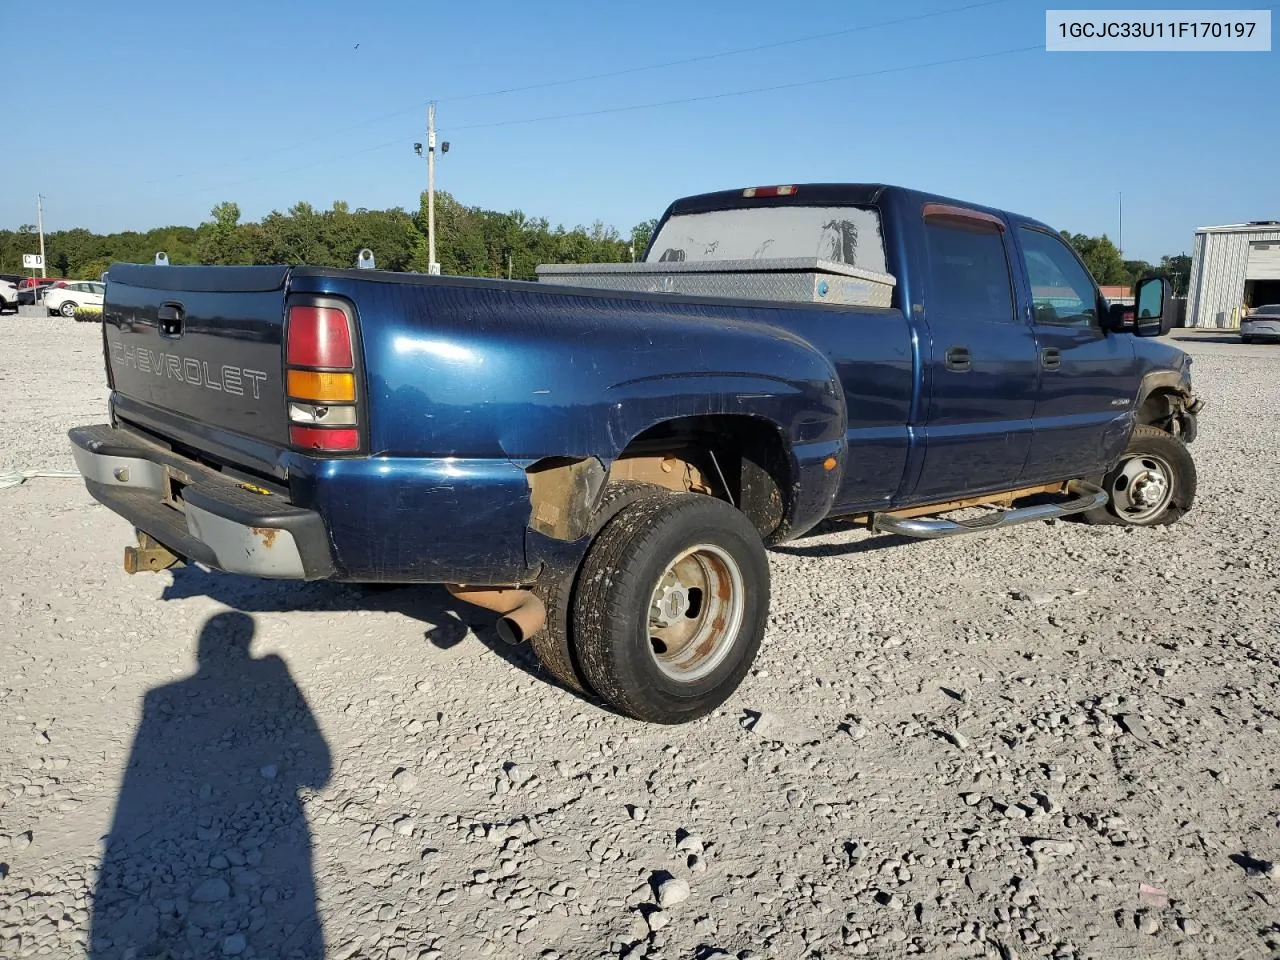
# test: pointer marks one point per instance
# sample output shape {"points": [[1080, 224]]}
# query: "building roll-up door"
{"points": [[1264, 260]]}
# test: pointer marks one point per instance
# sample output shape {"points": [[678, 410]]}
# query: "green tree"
{"points": [[1137, 269], [641, 234], [224, 240], [1100, 256]]}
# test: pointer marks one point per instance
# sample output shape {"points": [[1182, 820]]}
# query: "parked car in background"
{"points": [[8, 295], [69, 297], [32, 288], [1261, 323]]}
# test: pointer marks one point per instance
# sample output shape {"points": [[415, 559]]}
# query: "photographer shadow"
{"points": [[448, 621], [209, 852]]}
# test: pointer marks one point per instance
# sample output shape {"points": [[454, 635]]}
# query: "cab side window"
{"points": [[1062, 291], [968, 271]]}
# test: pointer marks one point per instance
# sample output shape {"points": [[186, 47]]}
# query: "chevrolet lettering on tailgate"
{"points": [[189, 370]]}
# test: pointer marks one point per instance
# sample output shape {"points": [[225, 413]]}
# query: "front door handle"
{"points": [[1051, 358], [959, 360]]}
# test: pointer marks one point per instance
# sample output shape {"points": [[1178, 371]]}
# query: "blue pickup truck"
{"points": [[604, 469]]}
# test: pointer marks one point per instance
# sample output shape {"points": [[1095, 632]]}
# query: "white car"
{"points": [[66, 300], [8, 296], [1261, 323]]}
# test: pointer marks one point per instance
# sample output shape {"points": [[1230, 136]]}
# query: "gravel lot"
{"points": [[1058, 741]]}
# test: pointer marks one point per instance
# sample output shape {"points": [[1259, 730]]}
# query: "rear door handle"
{"points": [[959, 360], [1051, 358]]}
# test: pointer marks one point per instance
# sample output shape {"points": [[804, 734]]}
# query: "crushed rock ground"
{"points": [[1059, 741]]}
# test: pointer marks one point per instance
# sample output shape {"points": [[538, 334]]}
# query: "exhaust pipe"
{"points": [[522, 613]]}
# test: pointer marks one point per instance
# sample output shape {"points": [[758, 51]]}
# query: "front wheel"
{"points": [[1153, 484], [670, 607], [68, 308]]}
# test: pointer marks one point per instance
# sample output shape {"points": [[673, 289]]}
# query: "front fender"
{"points": [[1165, 399]]}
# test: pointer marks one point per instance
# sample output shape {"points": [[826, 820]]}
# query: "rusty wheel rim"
{"points": [[695, 612]]}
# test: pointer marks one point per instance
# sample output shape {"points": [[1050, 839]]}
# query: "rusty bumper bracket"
{"points": [[150, 556]]}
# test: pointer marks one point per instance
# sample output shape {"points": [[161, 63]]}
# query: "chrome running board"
{"points": [[1084, 496]]}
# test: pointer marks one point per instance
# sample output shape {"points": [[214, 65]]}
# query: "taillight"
{"points": [[325, 387], [318, 438], [320, 379], [319, 337]]}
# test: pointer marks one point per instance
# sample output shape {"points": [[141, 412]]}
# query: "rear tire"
{"points": [[1154, 483], [670, 607], [553, 644]]}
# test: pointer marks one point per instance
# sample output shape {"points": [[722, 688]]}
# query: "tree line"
{"points": [[470, 241], [1105, 262]]}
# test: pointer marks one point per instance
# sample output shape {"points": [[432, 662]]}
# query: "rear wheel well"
{"points": [[736, 458]]}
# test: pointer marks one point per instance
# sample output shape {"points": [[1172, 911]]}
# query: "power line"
{"points": [[652, 105], [748, 92], [626, 71]]}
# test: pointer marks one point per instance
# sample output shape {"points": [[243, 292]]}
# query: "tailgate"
{"points": [[200, 342]]}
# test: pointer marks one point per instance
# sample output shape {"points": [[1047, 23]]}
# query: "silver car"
{"points": [[1261, 323]]}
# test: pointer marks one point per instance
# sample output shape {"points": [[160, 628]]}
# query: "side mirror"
{"points": [[1149, 296]]}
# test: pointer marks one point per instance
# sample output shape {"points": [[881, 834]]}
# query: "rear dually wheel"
{"points": [[670, 607]]}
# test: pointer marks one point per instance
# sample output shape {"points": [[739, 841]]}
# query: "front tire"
{"points": [[1154, 483], [671, 607], [68, 309]]}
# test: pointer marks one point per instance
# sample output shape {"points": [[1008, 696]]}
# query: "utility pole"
{"points": [[40, 227], [433, 268], [1120, 239]]}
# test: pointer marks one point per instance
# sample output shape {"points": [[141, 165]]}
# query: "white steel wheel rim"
{"points": [[1142, 487], [696, 612]]}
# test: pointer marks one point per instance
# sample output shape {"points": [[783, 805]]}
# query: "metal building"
{"points": [[1233, 267]]}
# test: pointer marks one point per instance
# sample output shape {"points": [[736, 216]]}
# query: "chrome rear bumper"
{"points": [[198, 513]]}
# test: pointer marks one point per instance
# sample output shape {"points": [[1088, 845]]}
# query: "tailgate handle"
{"points": [[170, 316]]}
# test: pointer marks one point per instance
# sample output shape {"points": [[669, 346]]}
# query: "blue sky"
{"points": [[149, 113]]}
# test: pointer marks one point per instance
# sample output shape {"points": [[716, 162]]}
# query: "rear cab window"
{"points": [[849, 235], [969, 277]]}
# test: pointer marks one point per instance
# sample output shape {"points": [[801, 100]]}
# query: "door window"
{"points": [[1061, 289], [968, 271]]}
